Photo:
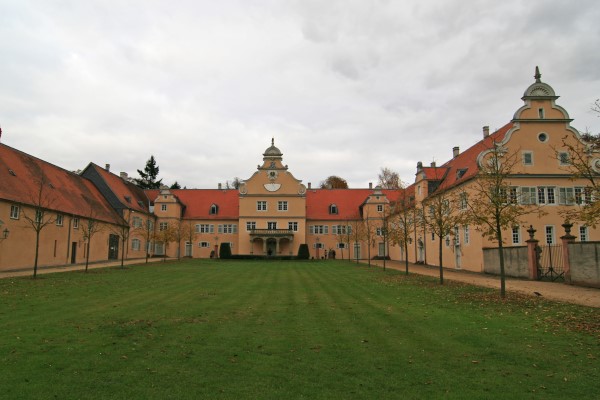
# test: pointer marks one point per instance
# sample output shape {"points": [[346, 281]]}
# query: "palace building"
{"points": [[272, 212]]}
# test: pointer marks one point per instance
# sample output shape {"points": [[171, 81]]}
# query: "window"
{"points": [[204, 244], [163, 207], [205, 228], [541, 113], [163, 226], [462, 201], [563, 158], [549, 234], [456, 236], [583, 233], [566, 196], [432, 236], [227, 228], [135, 245], [543, 137], [341, 229], [137, 222], [333, 209], [39, 216], [75, 223], [528, 195], [59, 220], [516, 234], [250, 226], [318, 245], [341, 245], [582, 195], [447, 240], [261, 205], [282, 206], [379, 207], [466, 234], [527, 158], [379, 231], [15, 211], [318, 229], [293, 226], [214, 209], [546, 195], [150, 224], [271, 225]]}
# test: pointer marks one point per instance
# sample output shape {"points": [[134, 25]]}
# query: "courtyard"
{"points": [[321, 330]]}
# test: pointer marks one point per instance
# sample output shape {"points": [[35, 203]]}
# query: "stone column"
{"points": [[532, 257], [565, 240], [277, 245]]}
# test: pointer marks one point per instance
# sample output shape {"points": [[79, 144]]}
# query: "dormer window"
{"points": [[128, 199], [333, 209], [460, 173], [214, 209]]}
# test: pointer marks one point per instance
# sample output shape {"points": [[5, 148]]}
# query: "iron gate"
{"points": [[550, 262]]}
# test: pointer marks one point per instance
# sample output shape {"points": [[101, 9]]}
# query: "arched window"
{"points": [[333, 209], [214, 209]]}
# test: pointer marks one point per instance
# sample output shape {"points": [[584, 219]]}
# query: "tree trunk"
{"points": [[87, 256], [406, 256], [123, 252], [37, 252], [501, 250], [440, 259]]}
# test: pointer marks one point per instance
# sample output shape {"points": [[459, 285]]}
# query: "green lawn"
{"points": [[286, 330]]}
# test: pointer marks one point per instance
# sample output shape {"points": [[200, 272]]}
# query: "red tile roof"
{"points": [[197, 202], [467, 160], [68, 193], [348, 202]]}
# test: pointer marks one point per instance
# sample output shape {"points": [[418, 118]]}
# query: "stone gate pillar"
{"points": [[565, 240], [532, 257]]}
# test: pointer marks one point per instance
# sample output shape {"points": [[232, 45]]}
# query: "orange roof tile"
{"points": [[348, 202], [67, 192], [197, 202]]}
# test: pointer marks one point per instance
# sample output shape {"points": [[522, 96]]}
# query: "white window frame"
{"points": [[261, 205], [318, 229], [566, 196], [250, 226], [282, 205], [516, 234], [205, 228], [137, 222], [341, 245], [563, 158], [227, 229], [379, 207], [528, 195], [204, 245], [549, 231], [583, 233], [466, 234], [293, 226], [162, 226], [271, 224], [59, 219], [546, 195], [75, 223], [163, 207], [136, 244], [15, 211]]}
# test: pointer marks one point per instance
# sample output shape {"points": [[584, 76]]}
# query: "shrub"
{"points": [[303, 253], [225, 250]]}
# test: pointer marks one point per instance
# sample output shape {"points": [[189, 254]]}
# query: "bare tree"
{"points": [[389, 179], [165, 235], [123, 231], [357, 234], [438, 217], [41, 201], [147, 231], [189, 232], [369, 234], [90, 228], [492, 204], [403, 223]]}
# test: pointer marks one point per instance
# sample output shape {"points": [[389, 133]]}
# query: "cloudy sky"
{"points": [[344, 86]]}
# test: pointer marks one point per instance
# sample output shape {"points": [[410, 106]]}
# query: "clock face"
{"points": [[272, 174]]}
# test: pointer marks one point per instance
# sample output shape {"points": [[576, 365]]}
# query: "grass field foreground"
{"points": [[272, 330]]}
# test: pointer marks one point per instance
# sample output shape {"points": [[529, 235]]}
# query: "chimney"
{"points": [[370, 185], [107, 167], [486, 131], [419, 166], [309, 185], [455, 151], [432, 164], [219, 186], [123, 175]]}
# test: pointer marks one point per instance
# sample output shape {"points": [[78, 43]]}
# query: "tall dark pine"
{"points": [[147, 179]]}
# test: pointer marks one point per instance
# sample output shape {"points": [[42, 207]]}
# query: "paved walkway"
{"points": [[550, 290], [75, 267]]}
